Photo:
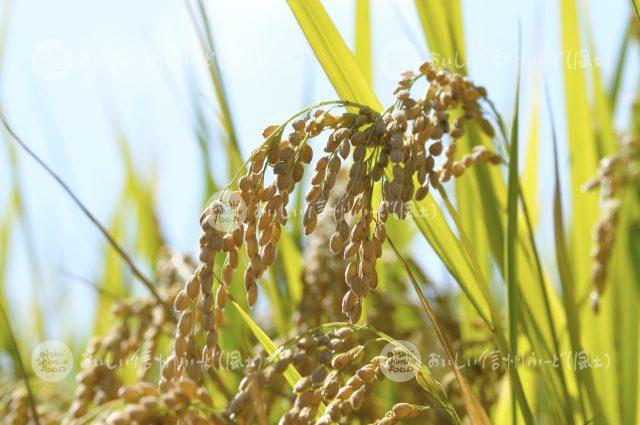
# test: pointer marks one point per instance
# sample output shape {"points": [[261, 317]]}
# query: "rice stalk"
{"points": [[474, 408], [584, 379], [207, 44], [134, 269], [362, 51]]}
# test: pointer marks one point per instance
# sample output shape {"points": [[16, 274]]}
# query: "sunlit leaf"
{"points": [[363, 38], [333, 54]]}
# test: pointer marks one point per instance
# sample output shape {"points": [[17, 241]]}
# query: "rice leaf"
{"points": [[531, 172], [503, 411], [484, 186], [583, 154], [139, 196], [363, 39], [472, 404], [292, 262], [441, 238], [6, 227], [625, 291], [496, 328], [333, 54], [270, 285], [568, 291], [436, 25], [207, 44], [560, 399], [291, 374], [536, 290], [614, 90], [636, 8], [112, 279], [582, 146], [606, 134], [202, 137], [4, 25], [456, 29], [512, 236]]}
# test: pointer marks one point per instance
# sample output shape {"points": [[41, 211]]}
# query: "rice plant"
{"points": [[308, 297]]}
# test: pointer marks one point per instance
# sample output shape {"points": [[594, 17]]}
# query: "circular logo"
{"points": [[227, 207], [51, 361], [403, 361], [52, 60]]}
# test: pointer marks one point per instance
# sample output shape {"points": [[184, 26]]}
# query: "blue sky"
{"points": [[137, 62]]}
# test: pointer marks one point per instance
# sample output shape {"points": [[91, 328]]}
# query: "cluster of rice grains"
{"points": [[614, 173], [16, 410], [398, 149], [180, 402], [323, 272], [404, 151], [131, 342], [335, 386]]}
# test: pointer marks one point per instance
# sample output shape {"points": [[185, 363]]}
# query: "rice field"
{"points": [[434, 257]]}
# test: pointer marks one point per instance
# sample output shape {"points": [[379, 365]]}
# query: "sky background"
{"points": [[138, 64]]}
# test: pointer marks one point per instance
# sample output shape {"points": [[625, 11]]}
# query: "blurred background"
{"points": [[116, 96]]}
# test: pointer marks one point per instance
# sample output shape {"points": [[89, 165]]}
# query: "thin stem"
{"points": [[114, 244], [498, 333], [447, 263], [470, 257], [471, 400], [545, 295], [538, 264]]}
